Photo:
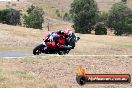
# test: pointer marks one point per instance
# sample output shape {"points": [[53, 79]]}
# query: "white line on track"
{"points": [[87, 55]]}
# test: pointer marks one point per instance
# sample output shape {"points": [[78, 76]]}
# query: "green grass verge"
{"points": [[2, 78], [23, 75], [126, 46], [28, 60]]}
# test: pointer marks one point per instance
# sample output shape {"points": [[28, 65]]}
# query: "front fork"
{"points": [[45, 46]]}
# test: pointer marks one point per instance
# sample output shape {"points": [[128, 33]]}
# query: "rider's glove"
{"points": [[61, 46]]}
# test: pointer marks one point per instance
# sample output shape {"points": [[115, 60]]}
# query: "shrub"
{"points": [[124, 0], [100, 29], [3, 15], [34, 19], [10, 16], [30, 9], [58, 13], [66, 17]]}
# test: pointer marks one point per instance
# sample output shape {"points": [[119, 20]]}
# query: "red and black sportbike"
{"points": [[59, 44]]}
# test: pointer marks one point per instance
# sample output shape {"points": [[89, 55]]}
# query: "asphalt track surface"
{"points": [[22, 55]]}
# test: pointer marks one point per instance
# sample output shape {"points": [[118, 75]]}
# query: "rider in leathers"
{"points": [[64, 33]]}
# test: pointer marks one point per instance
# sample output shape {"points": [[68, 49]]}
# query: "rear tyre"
{"points": [[63, 52], [38, 49]]}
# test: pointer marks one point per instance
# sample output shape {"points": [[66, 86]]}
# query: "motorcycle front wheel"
{"points": [[38, 49]]}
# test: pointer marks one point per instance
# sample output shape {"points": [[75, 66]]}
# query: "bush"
{"points": [[10, 16], [13, 17], [100, 29], [30, 9], [120, 19], [84, 14], [34, 19], [3, 15], [58, 13], [124, 0], [66, 17]]}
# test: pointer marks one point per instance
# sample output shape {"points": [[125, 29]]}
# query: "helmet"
{"points": [[68, 31]]}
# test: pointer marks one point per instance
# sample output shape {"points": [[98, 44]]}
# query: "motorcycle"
{"points": [[48, 47]]}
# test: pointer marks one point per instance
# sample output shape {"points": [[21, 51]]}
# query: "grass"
{"points": [[59, 72], [2, 77], [29, 60], [12, 49], [50, 86], [127, 46], [121, 45], [22, 39], [23, 75]]}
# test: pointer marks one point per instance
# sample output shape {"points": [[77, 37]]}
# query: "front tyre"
{"points": [[38, 49]]}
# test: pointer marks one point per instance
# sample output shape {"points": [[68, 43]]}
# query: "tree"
{"points": [[103, 16], [84, 14], [34, 19], [120, 19]]}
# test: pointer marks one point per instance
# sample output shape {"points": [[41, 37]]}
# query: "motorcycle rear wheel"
{"points": [[63, 52], [38, 49]]}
